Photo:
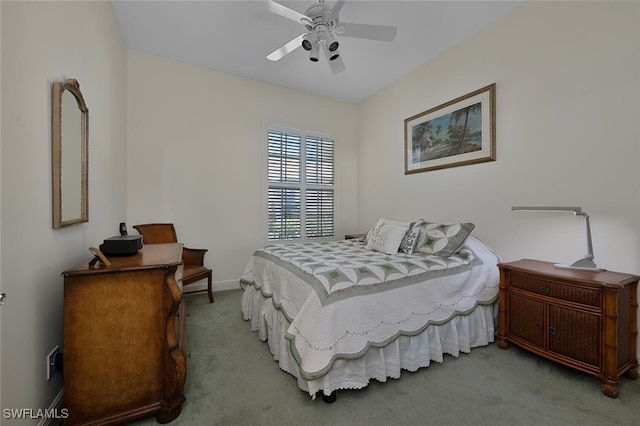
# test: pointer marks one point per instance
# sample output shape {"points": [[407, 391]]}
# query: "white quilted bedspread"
{"points": [[341, 299]]}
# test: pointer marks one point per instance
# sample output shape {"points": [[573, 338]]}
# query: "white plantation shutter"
{"points": [[301, 186], [284, 213], [319, 161], [319, 213], [284, 158]]}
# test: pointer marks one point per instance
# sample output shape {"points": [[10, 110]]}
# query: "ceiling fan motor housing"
{"points": [[321, 23]]}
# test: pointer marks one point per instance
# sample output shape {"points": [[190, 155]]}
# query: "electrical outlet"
{"points": [[51, 362]]}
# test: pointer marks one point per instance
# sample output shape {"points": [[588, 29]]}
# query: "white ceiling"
{"points": [[235, 37]]}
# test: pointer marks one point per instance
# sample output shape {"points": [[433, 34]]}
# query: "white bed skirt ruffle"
{"points": [[460, 334]]}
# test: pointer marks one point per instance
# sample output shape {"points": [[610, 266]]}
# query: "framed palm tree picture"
{"points": [[457, 133]]}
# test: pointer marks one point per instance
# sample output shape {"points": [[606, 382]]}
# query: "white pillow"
{"points": [[386, 236]]}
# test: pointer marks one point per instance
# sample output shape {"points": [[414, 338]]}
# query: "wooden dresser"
{"points": [[580, 319], [124, 338]]}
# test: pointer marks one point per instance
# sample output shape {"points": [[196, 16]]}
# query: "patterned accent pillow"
{"points": [[386, 236], [442, 239], [409, 241]]}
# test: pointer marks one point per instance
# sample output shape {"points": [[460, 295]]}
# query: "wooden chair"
{"points": [[193, 259]]}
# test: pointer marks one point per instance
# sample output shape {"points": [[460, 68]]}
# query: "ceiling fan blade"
{"points": [[281, 10], [335, 9], [371, 32], [337, 65], [279, 53]]}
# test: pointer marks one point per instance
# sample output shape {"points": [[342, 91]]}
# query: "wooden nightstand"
{"points": [[580, 319], [353, 236]]}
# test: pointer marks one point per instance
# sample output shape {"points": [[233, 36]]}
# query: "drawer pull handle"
{"points": [[545, 289], [539, 326], [552, 330]]}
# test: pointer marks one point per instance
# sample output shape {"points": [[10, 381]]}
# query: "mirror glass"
{"points": [[70, 130]]}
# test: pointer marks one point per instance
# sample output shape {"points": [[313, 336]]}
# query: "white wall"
{"points": [[195, 155], [568, 86], [568, 133], [43, 42]]}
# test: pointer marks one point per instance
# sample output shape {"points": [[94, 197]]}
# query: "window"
{"points": [[300, 186]]}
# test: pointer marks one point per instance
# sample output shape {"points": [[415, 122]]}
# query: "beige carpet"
{"points": [[232, 379]]}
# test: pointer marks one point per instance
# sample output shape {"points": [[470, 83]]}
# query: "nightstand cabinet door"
{"points": [[526, 320], [574, 334]]}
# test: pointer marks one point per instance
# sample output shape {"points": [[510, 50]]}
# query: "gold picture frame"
{"points": [[70, 155], [457, 133], [99, 256]]}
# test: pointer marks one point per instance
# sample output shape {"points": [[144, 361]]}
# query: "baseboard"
{"points": [[227, 285], [55, 408], [217, 285]]}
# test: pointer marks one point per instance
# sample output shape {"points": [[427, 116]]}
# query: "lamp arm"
{"points": [[589, 243]]}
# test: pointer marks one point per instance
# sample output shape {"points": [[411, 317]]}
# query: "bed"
{"points": [[337, 314]]}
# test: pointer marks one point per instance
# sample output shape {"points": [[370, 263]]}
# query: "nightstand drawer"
{"points": [[572, 293]]}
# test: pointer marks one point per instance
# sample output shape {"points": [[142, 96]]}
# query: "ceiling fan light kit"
{"points": [[322, 22], [307, 44], [315, 53]]}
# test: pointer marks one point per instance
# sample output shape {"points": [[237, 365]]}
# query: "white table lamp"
{"points": [[584, 264]]}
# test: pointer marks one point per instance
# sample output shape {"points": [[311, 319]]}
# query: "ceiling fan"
{"points": [[322, 22]]}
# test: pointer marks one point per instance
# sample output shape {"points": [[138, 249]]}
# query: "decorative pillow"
{"points": [[367, 236], [409, 241], [386, 236], [442, 239]]}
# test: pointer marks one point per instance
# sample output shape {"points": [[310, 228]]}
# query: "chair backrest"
{"points": [[157, 233]]}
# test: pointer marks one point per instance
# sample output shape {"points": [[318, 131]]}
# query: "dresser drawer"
{"points": [[572, 293]]}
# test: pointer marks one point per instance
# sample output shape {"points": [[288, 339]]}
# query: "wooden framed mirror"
{"points": [[70, 129]]}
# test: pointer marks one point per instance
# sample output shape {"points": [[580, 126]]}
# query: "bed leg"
{"points": [[329, 399]]}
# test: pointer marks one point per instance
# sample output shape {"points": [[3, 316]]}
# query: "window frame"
{"points": [[303, 185]]}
